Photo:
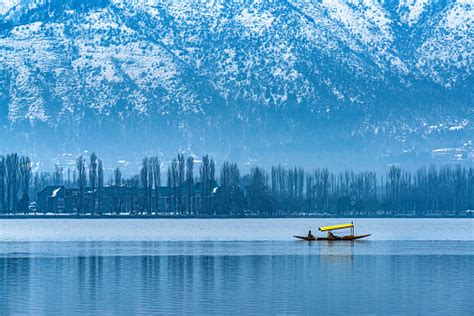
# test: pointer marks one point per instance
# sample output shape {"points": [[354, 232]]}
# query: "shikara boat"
{"points": [[331, 236], [305, 238]]}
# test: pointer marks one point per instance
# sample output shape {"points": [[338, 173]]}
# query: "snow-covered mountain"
{"points": [[266, 79]]}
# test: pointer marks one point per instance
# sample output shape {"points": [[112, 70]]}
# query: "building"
{"points": [[55, 199], [122, 199]]}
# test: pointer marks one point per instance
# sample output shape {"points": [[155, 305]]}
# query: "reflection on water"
{"points": [[219, 277]]}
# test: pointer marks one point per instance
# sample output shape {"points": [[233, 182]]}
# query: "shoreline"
{"points": [[135, 216]]}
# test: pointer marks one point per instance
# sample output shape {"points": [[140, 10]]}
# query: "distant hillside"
{"points": [[328, 82]]}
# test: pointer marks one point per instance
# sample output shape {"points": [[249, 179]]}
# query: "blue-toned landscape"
{"points": [[236, 157]]}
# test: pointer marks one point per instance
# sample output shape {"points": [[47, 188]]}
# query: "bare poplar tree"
{"points": [[156, 170], [74, 178], [68, 177], [58, 174], [145, 182], [81, 181], [117, 177], [93, 180], [170, 187], [12, 167], [149, 189], [204, 178], [117, 184], [2, 183], [100, 184], [175, 182], [225, 185], [25, 176], [181, 175], [190, 182]]}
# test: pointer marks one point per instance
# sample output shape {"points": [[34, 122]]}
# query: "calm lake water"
{"points": [[235, 266]]}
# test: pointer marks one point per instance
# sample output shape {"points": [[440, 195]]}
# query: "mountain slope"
{"points": [[309, 77]]}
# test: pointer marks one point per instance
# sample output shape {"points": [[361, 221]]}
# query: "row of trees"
{"points": [[96, 182], [447, 190], [15, 179], [180, 182]]}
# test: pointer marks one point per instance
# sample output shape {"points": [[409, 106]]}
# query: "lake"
{"points": [[234, 266]]}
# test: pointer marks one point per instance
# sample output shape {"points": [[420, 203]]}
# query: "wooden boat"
{"points": [[348, 237], [305, 238], [331, 236]]}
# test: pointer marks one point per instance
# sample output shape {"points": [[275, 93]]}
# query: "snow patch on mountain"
{"points": [[7, 5], [411, 10], [451, 47], [365, 19], [255, 22]]}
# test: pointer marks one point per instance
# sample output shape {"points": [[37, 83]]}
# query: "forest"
{"points": [[446, 190]]}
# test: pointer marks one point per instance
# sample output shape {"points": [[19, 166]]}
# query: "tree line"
{"points": [[15, 179], [447, 190]]}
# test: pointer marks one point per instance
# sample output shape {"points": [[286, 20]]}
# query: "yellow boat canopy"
{"points": [[341, 226]]}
